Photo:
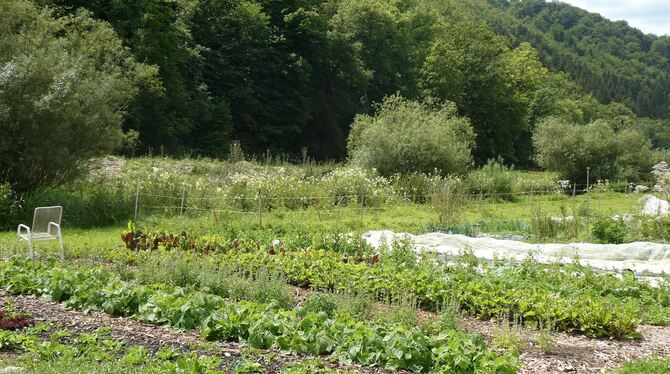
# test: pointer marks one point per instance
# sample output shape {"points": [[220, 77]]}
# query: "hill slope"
{"points": [[612, 60]]}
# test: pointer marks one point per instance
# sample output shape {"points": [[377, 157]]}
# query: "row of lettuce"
{"points": [[392, 346]]}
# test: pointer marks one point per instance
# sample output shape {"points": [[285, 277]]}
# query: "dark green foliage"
{"points": [[10, 206], [614, 61], [467, 65], [64, 86], [86, 205], [290, 75]]}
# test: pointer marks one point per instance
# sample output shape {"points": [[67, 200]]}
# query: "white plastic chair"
{"points": [[46, 226]]}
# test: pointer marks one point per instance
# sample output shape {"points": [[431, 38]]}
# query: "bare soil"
{"points": [[570, 353], [152, 337], [576, 353]]}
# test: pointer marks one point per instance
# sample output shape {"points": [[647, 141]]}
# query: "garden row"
{"points": [[51, 350], [392, 346], [570, 297]]}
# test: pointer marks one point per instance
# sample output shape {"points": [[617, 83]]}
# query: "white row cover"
{"points": [[638, 256]]}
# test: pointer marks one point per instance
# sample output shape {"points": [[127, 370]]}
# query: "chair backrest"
{"points": [[44, 215]]}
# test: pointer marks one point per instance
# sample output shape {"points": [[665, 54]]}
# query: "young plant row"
{"points": [[352, 247], [392, 346], [49, 350], [572, 297], [45, 349]]}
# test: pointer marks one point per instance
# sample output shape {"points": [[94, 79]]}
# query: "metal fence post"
{"points": [[588, 206], [260, 209], [362, 209], [183, 196], [137, 202]]}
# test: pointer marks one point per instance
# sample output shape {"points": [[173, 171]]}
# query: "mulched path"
{"points": [[577, 353], [154, 337], [571, 353]]}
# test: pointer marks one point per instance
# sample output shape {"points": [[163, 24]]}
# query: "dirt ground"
{"points": [[578, 354], [570, 354], [152, 337]]}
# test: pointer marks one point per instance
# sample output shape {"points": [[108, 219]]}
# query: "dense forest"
{"points": [[286, 76]]}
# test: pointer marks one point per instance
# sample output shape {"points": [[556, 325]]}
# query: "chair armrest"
{"points": [[53, 224], [22, 226]]}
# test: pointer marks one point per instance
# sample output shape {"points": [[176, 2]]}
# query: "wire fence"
{"points": [[490, 208]]}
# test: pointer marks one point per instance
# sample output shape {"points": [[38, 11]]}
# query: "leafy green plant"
{"points": [[391, 345], [247, 367], [608, 230], [320, 303]]}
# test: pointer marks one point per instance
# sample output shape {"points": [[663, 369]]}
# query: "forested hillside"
{"points": [[610, 59], [288, 75]]}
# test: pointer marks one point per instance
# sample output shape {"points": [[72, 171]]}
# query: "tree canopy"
{"points": [[284, 75], [64, 84]]}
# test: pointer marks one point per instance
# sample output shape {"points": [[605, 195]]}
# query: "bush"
{"points": [[657, 229], [570, 149], [406, 136], [64, 87], [493, 180], [353, 305], [610, 231], [320, 303]]}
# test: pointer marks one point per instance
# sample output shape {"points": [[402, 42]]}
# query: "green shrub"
{"points": [[65, 85], [657, 229], [493, 180], [570, 149], [406, 136], [610, 231], [271, 288], [338, 304]]}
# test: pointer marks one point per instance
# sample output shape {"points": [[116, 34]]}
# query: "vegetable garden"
{"points": [[303, 284]]}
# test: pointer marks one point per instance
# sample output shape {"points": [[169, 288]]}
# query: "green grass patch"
{"points": [[649, 366]]}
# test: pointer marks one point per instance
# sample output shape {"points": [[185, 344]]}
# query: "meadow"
{"points": [[266, 258]]}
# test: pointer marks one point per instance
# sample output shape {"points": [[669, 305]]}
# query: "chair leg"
{"points": [[30, 247], [60, 244]]}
